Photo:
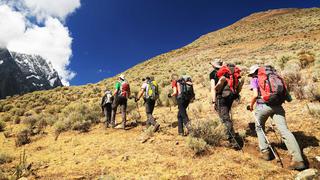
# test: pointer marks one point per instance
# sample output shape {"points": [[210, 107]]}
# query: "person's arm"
{"points": [[213, 91], [117, 87], [140, 94], [175, 90], [220, 84], [254, 98], [103, 98]]}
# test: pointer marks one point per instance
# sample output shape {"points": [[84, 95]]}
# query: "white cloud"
{"points": [[48, 37], [12, 24], [42, 9], [52, 42]]}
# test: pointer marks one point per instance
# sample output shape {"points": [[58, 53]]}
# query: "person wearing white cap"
{"points": [[265, 109], [121, 95], [222, 104]]}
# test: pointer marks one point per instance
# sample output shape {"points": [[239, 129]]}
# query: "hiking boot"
{"points": [[266, 155], [123, 126], [296, 165], [113, 124], [156, 127]]}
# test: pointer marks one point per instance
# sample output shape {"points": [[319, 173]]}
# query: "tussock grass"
{"points": [[2, 125], [5, 158], [314, 109], [211, 131], [198, 145], [23, 137]]}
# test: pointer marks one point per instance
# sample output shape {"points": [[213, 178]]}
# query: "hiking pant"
{"points": [[223, 108], [107, 112], [149, 104], [182, 114], [122, 101], [277, 113]]}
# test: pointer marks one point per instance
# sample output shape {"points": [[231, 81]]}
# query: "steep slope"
{"points": [[289, 39], [22, 73]]}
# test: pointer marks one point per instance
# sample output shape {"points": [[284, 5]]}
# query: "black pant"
{"points": [[224, 105], [107, 112], [149, 104], [182, 114], [122, 101]]}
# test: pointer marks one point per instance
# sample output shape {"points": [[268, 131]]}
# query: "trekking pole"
{"points": [[276, 156], [275, 133]]}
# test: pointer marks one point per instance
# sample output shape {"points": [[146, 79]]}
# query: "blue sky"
{"points": [[110, 36]]}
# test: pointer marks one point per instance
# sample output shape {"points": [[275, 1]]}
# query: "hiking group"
{"points": [[269, 92]]}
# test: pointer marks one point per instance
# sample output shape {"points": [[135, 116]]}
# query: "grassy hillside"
{"points": [[60, 131]]}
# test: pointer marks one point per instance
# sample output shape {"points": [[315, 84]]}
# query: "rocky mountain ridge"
{"points": [[22, 73]]}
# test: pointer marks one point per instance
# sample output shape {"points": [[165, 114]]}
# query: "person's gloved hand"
{"points": [[169, 95]]}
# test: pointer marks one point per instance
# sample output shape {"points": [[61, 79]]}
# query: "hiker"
{"points": [[121, 95], [269, 104], [225, 88], [149, 91], [106, 106], [183, 92]]}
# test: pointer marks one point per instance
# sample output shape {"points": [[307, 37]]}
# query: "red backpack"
{"points": [[124, 89], [232, 74], [272, 88]]}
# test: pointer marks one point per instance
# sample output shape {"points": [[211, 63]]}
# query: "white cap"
{"points": [[253, 69], [122, 76]]}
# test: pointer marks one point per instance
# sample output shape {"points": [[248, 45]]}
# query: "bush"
{"points": [[5, 117], [31, 121], [306, 58], [23, 137], [314, 109], [211, 131], [2, 125], [17, 112], [198, 145], [7, 107], [5, 158], [78, 116]]}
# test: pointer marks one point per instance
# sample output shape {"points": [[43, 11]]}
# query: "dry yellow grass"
{"points": [[263, 38]]}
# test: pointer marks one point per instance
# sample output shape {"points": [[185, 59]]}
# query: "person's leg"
{"points": [[109, 110], [124, 112], [151, 108], [114, 112], [185, 114], [180, 119], [223, 112], [262, 113], [286, 135], [148, 106]]}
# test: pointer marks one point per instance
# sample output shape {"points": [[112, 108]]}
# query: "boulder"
{"points": [[308, 174]]}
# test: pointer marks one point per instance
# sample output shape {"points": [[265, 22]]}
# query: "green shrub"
{"points": [[306, 58], [23, 137], [2, 125], [5, 117], [211, 131], [5, 158], [7, 107], [17, 111], [314, 109], [31, 121], [198, 145], [78, 116]]}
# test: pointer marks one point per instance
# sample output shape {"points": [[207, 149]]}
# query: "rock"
{"points": [[308, 174], [23, 178]]}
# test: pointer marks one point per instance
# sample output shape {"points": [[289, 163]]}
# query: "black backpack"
{"points": [[186, 88]]}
